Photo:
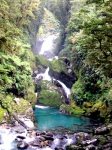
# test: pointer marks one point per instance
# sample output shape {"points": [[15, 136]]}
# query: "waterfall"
{"points": [[48, 44], [44, 76], [46, 47], [67, 90]]}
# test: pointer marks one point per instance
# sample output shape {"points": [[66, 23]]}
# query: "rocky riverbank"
{"points": [[14, 137]]}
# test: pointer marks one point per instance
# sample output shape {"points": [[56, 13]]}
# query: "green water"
{"points": [[50, 118]]}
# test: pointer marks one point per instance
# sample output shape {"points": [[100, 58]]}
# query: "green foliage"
{"points": [[16, 59], [72, 109], [59, 8], [88, 44], [78, 92], [49, 24]]}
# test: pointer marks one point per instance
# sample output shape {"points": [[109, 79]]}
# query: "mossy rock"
{"points": [[49, 94], [58, 70], [104, 111], [88, 104], [11, 106], [72, 109], [32, 59], [42, 61], [31, 97], [2, 114], [49, 98], [22, 107], [58, 66], [97, 105], [101, 110]]}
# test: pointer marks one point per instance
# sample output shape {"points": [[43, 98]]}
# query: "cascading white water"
{"points": [[67, 90], [45, 76], [6, 139], [48, 44]]}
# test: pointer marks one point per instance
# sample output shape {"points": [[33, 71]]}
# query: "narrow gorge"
{"points": [[55, 75]]}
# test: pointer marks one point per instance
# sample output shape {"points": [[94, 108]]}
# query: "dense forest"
{"points": [[59, 99], [85, 41]]}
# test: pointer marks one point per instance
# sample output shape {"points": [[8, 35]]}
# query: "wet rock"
{"points": [[108, 146], [74, 147], [21, 137], [37, 133], [36, 143], [22, 145], [48, 137], [0, 139], [101, 130], [20, 131], [59, 148], [90, 147], [63, 137], [109, 127], [49, 134], [89, 142], [41, 138], [82, 136], [42, 133], [101, 139]]}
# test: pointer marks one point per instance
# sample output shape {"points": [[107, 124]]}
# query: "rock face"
{"points": [[41, 63], [59, 70]]}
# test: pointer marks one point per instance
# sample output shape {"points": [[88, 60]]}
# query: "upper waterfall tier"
{"points": [[48, 46]]}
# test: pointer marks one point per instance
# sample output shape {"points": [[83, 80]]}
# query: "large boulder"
{"points": [[41, 63], [49, 94], [22, 145]]}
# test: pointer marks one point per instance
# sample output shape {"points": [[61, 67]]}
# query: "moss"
{"points": [[49, 94], [104, 111], [42, 61], [21, 107], [97, 105], [72, 109], [87, 104], [2, 113], [50, 98], [31, 97], [32, 59], [58, 66], [7, 102]]}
